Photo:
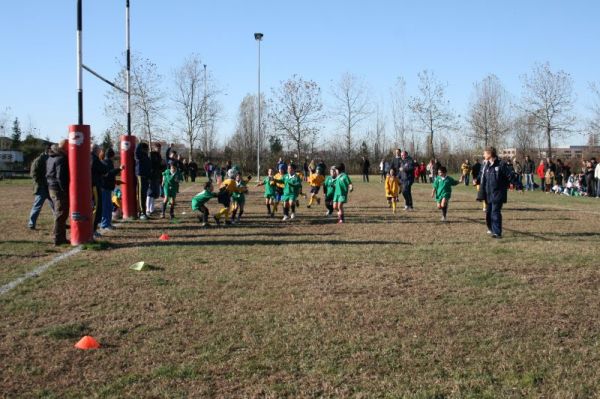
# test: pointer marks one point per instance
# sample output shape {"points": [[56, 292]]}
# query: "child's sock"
{"points": [[293, 208], [240, 214], [164, 208], [312, 199], [233, 214], [444, 211], [275, 206], [172, 210], [269, 208], [286, 211], [149, 205], [393, 206], [205, 217]]}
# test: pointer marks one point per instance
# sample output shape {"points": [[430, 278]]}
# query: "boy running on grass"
{"points": [[292, 185], [269, 183], [392, 189], [343, 185], [239, 198], [170, 183], [442, 190], [279, 185], [315, 180], [199, 203], [329, 190]]}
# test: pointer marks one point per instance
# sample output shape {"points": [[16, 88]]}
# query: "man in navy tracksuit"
{"points": [[407, 178], [495, 182], [143, 169]]}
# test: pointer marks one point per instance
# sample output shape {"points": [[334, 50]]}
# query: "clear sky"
{"points": [[461, 41]]}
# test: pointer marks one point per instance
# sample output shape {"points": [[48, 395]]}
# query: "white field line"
{"points": [[38, 270]]}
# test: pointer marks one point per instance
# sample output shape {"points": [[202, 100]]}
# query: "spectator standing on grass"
{"points": [[366, 165], [99, 169], [519, 175], [590, 184], [143, 169], [384, 167], [597, 178], [193, 170], [306, 170], [40, 187], [528, 170], [560, 172], [541, 172], [407, 178], [494, 186], [476, 172], [423, 172], [108, 184], [157, 166], [57, 178], [465, 169], [397, 160]]}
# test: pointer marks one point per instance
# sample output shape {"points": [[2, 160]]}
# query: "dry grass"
{"points": [[384, 306]]}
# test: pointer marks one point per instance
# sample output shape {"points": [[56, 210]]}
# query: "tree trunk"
{"points": [[549, 137]]}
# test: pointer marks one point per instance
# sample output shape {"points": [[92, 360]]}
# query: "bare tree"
{"points": [[211, 111], [351, 105], [245, 139], [489, 112], [548, 97], [147, 100], [189, 99], [378, 135], [399, 112], [526, 135], [296, 111], [594, 123], [431, 109]]}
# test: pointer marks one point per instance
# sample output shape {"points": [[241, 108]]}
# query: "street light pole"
{"points": [[204, 112], [258, 37]]}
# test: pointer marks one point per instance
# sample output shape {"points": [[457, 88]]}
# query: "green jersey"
{"points": [[239, 195], [269, 184], [341, 185], [329, 187], [292, 184], [443, 187], [202, 198], [171, 182]]}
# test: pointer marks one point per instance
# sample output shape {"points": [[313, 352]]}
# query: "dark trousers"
{"points": [[61, 214], [493, 217], [97, 197], [142, 193], [365, 177], [407, 193]]}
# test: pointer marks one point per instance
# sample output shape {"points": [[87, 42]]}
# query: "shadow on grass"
{"points": [[174, 243]]}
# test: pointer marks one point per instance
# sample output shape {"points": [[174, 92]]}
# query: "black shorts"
{"points": [[314, 190], [224, 199]]}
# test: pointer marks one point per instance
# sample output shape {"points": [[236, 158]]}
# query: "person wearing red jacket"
{"points": [[541, 172]]}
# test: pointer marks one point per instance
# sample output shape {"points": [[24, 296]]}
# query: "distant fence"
{"points": [[15, 174]]}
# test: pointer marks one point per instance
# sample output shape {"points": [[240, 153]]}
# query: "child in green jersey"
{"points": [[442, 190], [329, 190], [238, 198], [343, 185], [170, 183], [269, 183], [199, 203], [292, 183]]}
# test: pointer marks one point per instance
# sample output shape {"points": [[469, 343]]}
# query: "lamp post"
{"points": [[258, 37]]}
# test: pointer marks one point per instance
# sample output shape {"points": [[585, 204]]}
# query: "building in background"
{"points": [[573, 152]]}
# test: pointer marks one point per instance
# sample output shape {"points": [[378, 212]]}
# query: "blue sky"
{"points": [[461, 41]]}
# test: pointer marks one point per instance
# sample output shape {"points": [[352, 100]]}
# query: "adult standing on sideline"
{"points": [[541, 172], [495, 183], [99, 170], [57, 178], [193, 170], [465, 169], [108, 185], [396, 161], [407, 178], [40, 187], [143, 169], [528, 170], [157, 166], [366, 165]]}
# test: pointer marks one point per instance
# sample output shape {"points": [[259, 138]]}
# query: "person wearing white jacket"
{"points": [[597, 177]]}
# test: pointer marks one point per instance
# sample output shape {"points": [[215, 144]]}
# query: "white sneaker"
{"points": [[327, 214], [489, 231], [406, 208], [285, 217], [444, 219], [293, 215]]}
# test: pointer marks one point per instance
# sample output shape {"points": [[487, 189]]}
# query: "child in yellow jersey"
{"points": [[279, 185], [315, 180], [392, 188]]}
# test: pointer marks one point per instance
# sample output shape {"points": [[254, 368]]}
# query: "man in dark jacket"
{"points": [[396, 161], [495, 181], [57, 178], [407, 178], [366, 165], [476, 172], [40, 187], [99, 170], [528, 171], [193, 170], [143, 170]]}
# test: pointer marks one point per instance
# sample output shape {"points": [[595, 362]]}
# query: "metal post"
{"points": [[258, 37], [204, 112], [128, 75], [79, 64]]}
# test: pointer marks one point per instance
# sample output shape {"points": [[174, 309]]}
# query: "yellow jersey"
{"points": [[316, 180]]}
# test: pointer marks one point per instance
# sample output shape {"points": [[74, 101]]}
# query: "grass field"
{"points": [[383, 306]]}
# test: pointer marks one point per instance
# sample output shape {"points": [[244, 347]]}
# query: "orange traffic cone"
{"points": [[164, 237], [87, 342]]}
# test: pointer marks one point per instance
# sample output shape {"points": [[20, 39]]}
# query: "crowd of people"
{"points": [[158, 179]]}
